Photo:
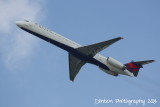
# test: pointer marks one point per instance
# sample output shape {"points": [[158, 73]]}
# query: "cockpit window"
{"points": [[26, 20]]}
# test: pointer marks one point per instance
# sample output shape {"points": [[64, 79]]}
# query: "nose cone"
{"points": [[19, 23]]}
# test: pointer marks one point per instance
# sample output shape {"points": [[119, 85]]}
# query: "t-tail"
{"points": [[134, 67]]}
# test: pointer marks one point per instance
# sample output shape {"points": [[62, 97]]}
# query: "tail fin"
{"points": [[134, 67]]}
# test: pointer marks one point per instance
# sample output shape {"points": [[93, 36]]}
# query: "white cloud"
{"points": [[15, 44]]}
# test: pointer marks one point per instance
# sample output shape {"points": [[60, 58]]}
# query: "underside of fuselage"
{"points": [[71, 50]]}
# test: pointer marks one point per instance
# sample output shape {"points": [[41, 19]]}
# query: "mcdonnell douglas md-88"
{"points": [[80, 55]]}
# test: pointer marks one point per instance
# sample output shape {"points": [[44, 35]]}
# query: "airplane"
{"points": [[80, 55]]}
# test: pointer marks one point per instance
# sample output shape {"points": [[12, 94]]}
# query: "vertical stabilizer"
{"points": [[134, 67]]}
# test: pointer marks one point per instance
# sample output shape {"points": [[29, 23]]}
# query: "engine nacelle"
{"points": [[116, 63], [108, 72]]}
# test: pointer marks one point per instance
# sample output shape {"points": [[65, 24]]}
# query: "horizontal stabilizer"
{"points": [[92, 50], [134, 67], [144, 62]]}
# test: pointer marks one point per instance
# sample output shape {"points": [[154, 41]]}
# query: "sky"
{"points": [[34, 73]]}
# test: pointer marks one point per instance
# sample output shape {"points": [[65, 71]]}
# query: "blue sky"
{"points": [[36, 73]]}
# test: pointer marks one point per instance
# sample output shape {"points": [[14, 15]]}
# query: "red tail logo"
{"points": [[133, 68]]}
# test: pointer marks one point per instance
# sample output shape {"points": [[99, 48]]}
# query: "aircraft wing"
{"points": [[75, 65], [92, 50]]}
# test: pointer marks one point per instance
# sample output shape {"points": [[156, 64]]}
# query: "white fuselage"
{"points": [[35, 28]]}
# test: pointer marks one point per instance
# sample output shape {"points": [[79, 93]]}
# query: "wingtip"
{"points": [[121, 37], [153, 61], [72, 79]]}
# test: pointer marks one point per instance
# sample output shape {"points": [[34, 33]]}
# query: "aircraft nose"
{"points": [[19, 23]]}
